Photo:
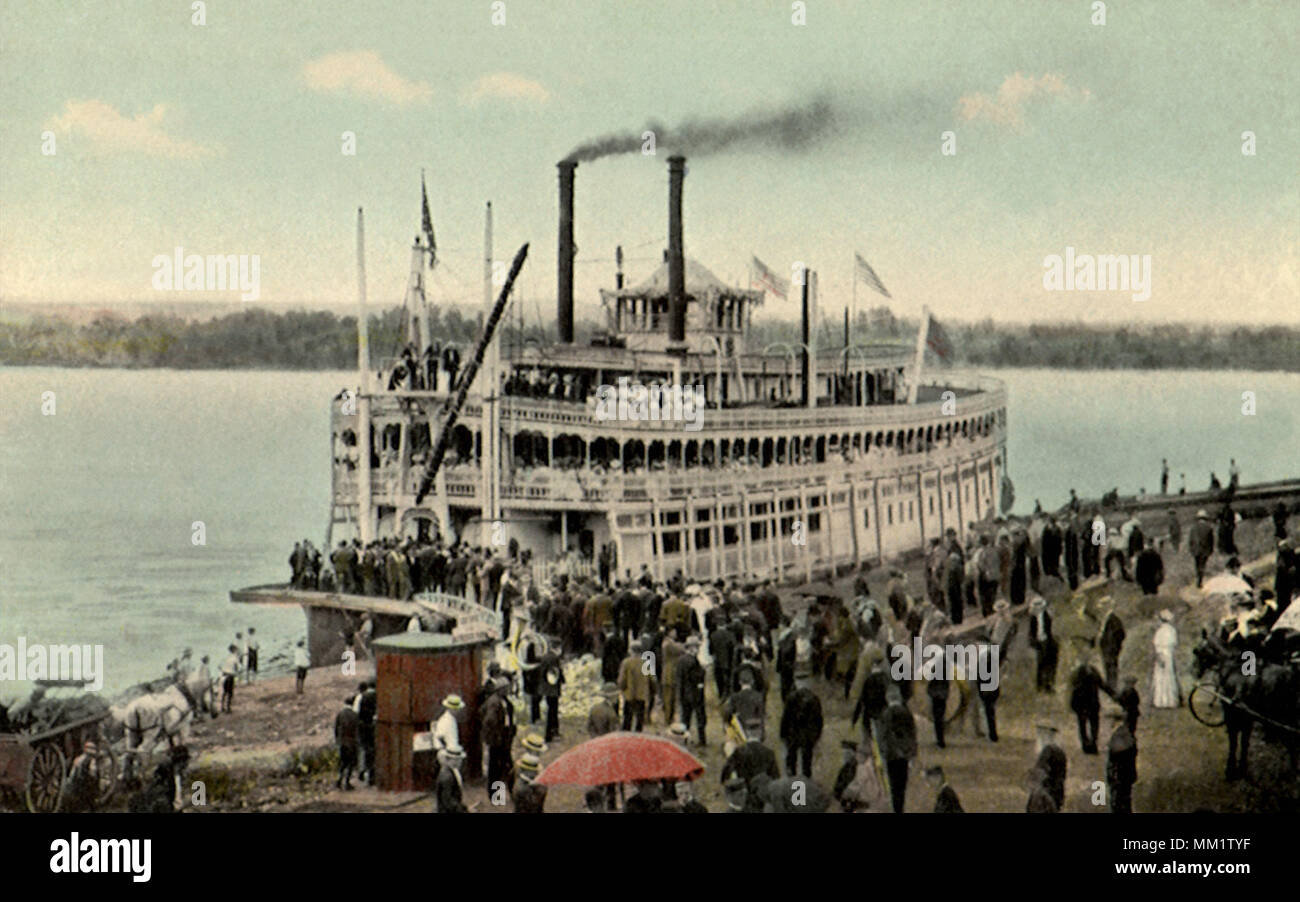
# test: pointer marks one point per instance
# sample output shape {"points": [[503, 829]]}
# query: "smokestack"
{"points": [[676, 260], [618, 259], [564, 268]]}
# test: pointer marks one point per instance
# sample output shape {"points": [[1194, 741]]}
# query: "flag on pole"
{"points": [[426, 224], [765, 278], [862, 269], [937, 340]]}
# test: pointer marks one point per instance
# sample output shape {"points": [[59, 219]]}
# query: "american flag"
{"points": [[937, 340], [765, 278], [426, 224], [862, 269]]}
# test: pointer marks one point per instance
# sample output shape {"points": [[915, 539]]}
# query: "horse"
{"points": [[1268, 694], [147, 720]]}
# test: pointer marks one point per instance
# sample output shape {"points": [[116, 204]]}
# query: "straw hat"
{"points": [[1167, 615], [1202, 514], [534, 743], [529, 764], [453, 702]]}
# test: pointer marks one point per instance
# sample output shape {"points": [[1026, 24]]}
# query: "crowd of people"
{"points": [[762, 655]]}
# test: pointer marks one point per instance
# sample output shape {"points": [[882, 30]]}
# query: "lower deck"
{"points": [[746, 524]]}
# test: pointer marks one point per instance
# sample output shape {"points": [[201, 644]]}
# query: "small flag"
{"points": [[862, 269], [426, 224], [937, 340], [765, 278]]}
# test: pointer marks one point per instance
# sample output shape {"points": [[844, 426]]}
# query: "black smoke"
{"points": [[792, 129]]}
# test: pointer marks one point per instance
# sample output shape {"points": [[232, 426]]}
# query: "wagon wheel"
{"points": [[1206, 704], [105, 774], [45, 779]]}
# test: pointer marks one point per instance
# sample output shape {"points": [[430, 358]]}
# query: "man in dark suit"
{"points": [[954, 582], [690, 687], [612, 655], [1121, 766], [1043, 643], [1050, 548], [801, 727], [1085, 701], [786, 651], [1149, 568], [1110, 641], [722, 646], [627, 611], [769, 605], [1200, 542], [449, 787], [945, 799], [1052, 762], [749, 760], [989, 690], [498, 731], [549, 683], [937, 691], [871, 683], [1128, 699], [897, 741], [1071, 545], [367, 708], [1040, 798], [347, 735], [747, 707]]}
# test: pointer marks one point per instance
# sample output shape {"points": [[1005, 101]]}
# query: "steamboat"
{"points": [[801, 459], [797, 460]]}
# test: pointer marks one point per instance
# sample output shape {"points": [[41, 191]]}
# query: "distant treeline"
{"points": [[300, 340]]}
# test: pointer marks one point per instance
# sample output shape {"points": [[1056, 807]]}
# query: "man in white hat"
{"points": [[446, 729], [529, 795], [1043, 643]]}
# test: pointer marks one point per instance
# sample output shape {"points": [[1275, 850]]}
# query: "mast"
{"points": [[365, 526], [489, 423]]}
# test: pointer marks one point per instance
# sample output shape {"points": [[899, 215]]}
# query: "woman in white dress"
{"points": [[1165, 692]]}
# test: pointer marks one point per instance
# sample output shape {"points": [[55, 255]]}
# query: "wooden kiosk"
{"points": [[414, 673]]}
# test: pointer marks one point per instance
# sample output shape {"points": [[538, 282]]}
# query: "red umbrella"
{"points": [[621, 758]]}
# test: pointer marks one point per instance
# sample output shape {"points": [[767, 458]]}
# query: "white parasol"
{"points": [[1226, 584]]}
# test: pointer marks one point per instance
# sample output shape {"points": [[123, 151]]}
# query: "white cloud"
{"points": [[1007, 106], [506, 86], [362, 73], [109, 130]]}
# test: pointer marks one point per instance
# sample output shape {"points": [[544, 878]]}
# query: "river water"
{"points": [[98, 501]]}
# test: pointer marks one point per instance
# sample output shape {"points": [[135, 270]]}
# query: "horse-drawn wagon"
{"points": [[1252, 679], [34, 767]]}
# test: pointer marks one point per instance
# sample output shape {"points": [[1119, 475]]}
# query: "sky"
{"points": [[226, 138]]}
